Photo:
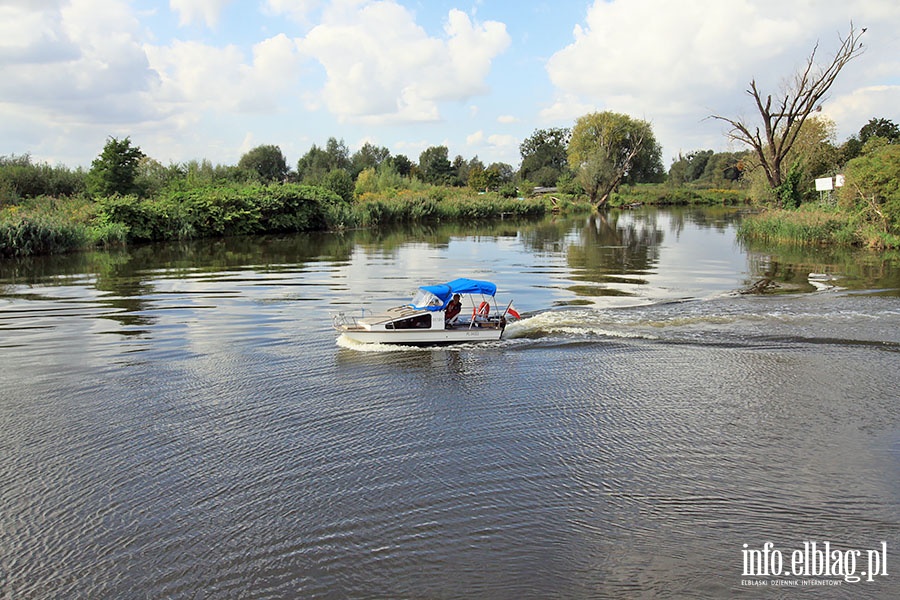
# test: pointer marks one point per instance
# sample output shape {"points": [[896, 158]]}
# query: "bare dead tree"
{"points": [[783, 119]]}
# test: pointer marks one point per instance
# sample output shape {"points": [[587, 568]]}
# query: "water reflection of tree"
{"points": [[613, 243], [389, 239], [127, 278], [549, 236], [131, 284]]}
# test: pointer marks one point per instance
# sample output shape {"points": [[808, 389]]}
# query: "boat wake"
{"points": [[724, 320], [582, 323]]}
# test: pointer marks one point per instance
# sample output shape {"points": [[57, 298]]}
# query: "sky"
{"points": [[211, 79]]}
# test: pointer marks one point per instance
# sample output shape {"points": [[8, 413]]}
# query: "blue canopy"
{"points": [[443, 292]]}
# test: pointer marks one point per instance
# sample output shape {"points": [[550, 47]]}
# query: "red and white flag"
{"points": [[511, 310]]}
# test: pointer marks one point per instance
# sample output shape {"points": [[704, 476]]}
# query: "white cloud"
{"points": [[673, 64], [381, 66], [565, 107], [503, 140], [497, 144], [507, 119], [31, 36], [650, 47], [80, 60], [202, 77], [191, 11], [82, 70], [851, 111]]}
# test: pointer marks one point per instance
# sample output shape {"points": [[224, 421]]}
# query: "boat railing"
{"points": [[343, 320]]}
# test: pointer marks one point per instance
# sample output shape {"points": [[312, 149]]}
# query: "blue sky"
{"points": [[211, 79]]}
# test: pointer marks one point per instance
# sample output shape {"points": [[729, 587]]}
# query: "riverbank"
{"points": [[46, 225], [816, 225], [57, 225]]}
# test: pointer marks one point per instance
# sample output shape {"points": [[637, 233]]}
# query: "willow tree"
{"points": [[606, 147], [782, 117]]}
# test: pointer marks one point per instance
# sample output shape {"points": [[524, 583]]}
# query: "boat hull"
{"points": [[422, 338]]}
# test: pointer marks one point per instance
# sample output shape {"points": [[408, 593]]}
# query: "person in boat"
{"points": [[453, 309]]}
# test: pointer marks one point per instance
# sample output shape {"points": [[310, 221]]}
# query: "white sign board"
{"points": [[824, 184], [838, 180]]}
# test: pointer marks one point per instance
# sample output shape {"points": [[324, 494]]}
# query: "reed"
{"points": [[807, 227], [29, 235], [44, 225]]}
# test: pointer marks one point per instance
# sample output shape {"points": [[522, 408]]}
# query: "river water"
{"points": [[180, 421]]}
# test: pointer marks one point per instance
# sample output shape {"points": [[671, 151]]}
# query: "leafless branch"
{"points": [[781, 125]]}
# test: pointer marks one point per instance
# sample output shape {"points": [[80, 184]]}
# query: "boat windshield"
{"points": [[425, 299]]}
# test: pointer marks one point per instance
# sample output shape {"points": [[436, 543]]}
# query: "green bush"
{"points": [[871, 193], [220, 211]]}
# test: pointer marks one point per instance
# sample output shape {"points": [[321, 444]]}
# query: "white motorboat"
{"points": [[428, 318]]}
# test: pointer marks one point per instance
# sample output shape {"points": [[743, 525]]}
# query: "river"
{"points": [[180, 420]]}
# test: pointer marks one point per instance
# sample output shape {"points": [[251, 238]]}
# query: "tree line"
{"points": [[568, 159], [576, 160]]}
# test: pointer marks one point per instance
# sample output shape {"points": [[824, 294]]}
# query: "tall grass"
{"points": [[809, 226], [443, 204], [44, 225], [39, 235]]}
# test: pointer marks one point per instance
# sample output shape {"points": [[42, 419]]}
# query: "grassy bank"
{"points": [[666, 195], [441, 204], [815, 225], [806, 227], [50, 226], [865, 211]]}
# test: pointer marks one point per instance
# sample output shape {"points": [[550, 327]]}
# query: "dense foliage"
{"points": [[864, 211], [544, 156], [663, 195], [219, 211], [21, 178], [705, 168], [871, 194]]}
